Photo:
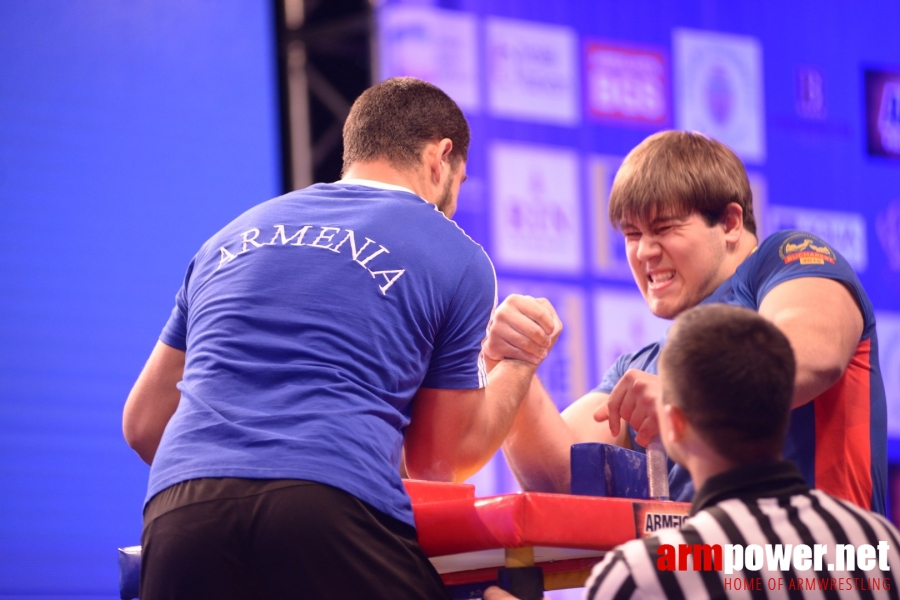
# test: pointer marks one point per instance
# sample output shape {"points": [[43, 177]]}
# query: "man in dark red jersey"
{"points": [[683, 203]]}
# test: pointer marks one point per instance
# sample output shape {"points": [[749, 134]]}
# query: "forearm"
{"points": [[539, 443], [453, 433], [507, 386]]}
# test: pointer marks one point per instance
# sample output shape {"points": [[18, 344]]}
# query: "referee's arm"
{"points": [[611, 579]]}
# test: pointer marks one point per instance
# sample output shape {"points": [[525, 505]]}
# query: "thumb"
{"points": [[602, 413]]}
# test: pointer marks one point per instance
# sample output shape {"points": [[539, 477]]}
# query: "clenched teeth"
{"points": [[661, 277]]}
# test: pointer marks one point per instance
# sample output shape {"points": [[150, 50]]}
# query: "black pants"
{"points": [[256, 539]]}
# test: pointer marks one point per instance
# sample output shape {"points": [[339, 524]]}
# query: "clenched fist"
{"points": [[522, 328]]}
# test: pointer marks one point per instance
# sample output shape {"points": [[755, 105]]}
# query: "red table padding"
{"points": [[452, 521]]}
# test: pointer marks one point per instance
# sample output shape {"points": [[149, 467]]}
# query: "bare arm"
{"points": [[823, 323], [538, 446], [453, 433], [153, 400]]}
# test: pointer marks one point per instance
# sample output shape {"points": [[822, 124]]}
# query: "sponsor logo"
{"points": [[719, 90], [805, 249], [888, 227], [651, 517], [626, 83], [883, 113], [438, 46], [532, 71], [810, 101], [846, 232], [536, 216]]}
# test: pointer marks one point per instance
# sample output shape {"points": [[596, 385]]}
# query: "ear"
{"points": [[733, 223], [439, 161], [677, 424]]}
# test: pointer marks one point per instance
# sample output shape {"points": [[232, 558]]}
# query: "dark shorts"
{"points": [[269, 539]]}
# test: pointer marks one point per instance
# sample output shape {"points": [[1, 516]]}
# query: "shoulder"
{"points": [[794, 254], [642, 360], [798, 249]]}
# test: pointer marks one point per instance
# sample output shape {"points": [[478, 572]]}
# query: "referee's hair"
{"points": [[731, 372], [676, 173], [394, 119]]}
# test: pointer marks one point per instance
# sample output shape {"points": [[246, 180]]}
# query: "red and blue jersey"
{"points": [[839, 439]]}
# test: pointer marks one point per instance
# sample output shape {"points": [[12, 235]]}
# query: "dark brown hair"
{"points": [[394, 119], [676, 173], [731, 372]]}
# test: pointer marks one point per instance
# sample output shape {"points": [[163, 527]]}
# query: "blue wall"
{"points": [[129, 132]]}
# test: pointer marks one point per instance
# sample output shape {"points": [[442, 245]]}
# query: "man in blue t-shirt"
{"points": [[316, 338], [683, 203]]}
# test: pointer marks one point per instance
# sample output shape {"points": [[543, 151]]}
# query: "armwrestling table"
{"points": [[469, 538]]}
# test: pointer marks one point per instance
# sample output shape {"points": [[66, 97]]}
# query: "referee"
{"points": [[727, 377]]}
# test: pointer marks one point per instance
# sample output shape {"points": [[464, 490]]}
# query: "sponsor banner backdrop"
{"points": [[888, 326], [438, 46], [719, 89], [532, 71], [537, 219], [626, 83], [844, 231], [623, 323], [608, 258]]}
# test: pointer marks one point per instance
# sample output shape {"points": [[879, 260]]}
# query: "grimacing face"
{"points": [[676, 261]]}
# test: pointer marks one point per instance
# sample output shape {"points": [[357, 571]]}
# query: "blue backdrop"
{"points": [[129, 132]]}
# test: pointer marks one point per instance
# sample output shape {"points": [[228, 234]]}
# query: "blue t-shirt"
{"points": [[309, 322], [839, 440]]}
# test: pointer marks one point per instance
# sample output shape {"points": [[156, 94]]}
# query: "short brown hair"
{"points": [[394, 119], [676, 173], [732, 375]]}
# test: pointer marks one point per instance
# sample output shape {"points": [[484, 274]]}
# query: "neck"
{"points": [[385, 172], [736, 254], [744, 248], [703, 462]]}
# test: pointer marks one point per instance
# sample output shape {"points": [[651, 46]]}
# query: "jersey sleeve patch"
{"points": [[806, 249]]}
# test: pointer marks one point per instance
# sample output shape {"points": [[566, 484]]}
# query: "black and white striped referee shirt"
{"points": [[765, 505]]}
